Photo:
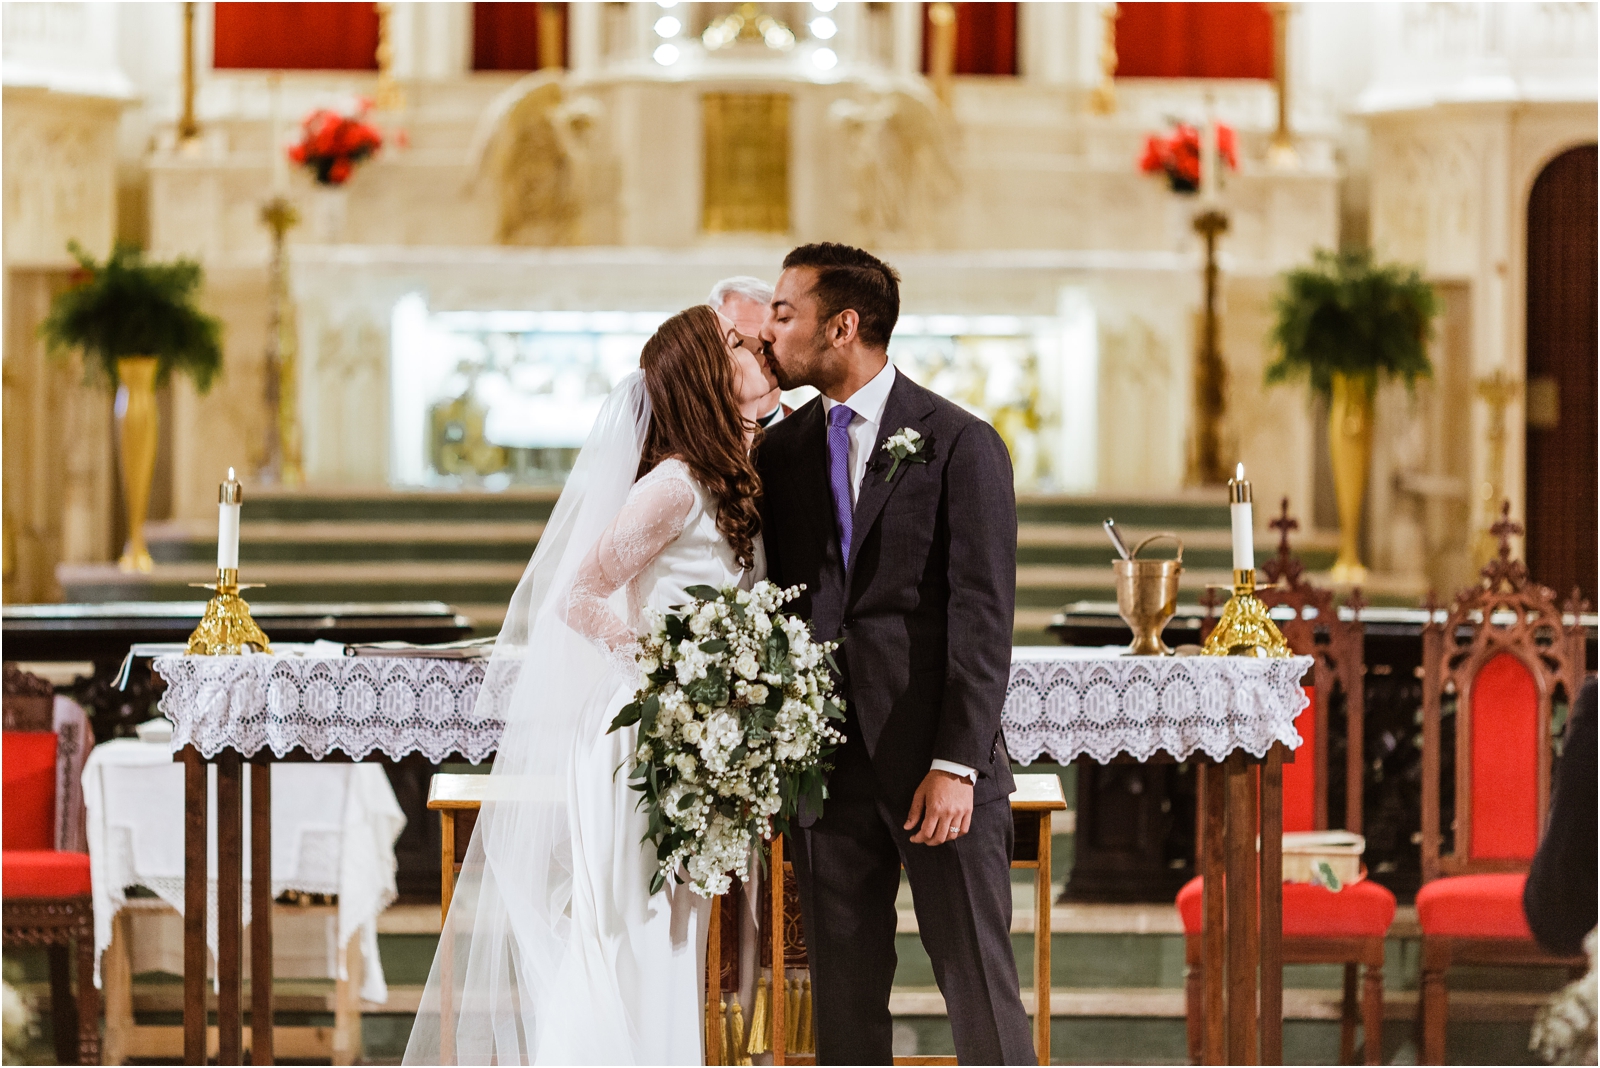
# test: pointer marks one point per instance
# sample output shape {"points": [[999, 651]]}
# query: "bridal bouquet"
{"points": [[734, 729]]}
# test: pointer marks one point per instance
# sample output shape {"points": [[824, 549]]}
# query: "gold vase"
{"points": [[139, 430], [1350, 442]]}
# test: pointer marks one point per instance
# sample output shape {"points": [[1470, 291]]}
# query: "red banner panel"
{"points": [[1158, 40], [986, 39], [507, 36], [295, 37]]}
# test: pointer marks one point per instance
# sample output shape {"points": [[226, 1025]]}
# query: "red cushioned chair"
{"points": [[1319, 926], [44, 893], [1500, 655]]}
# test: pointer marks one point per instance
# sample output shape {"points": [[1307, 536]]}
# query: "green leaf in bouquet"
{"points": [[686, 801], [780, 825], [827, 654], [625, 718], [774, 698], [648, 712], [711, 690], [777, 651], [703, 592], [657, 881], [677, 628], [713, 646], [640, 770], [831, 710]]}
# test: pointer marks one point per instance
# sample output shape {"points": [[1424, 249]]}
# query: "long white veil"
{"points": [[504, 940]]}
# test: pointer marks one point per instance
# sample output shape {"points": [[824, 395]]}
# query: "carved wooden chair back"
{"points": [[1337, 648], [1502, 651]]}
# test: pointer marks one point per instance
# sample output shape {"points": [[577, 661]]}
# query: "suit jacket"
{"points": [[923, 613]]}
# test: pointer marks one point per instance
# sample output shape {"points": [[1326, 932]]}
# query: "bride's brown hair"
{"points": [[694, 416]]}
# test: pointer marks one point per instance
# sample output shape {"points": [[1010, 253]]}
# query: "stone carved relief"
{"points": [[898, 155], [60, 164], [1136, 363], [539, 148], [1425, 199], [58, 453], [1565, 31], [344, 404]]}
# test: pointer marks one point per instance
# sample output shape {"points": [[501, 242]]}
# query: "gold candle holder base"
{"points": [[1246, 628], [227, 628]]}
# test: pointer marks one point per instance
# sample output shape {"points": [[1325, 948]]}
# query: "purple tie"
{"points": [[839, 472]]}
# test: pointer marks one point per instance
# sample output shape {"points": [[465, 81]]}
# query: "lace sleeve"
{"points": [[651, 519]]}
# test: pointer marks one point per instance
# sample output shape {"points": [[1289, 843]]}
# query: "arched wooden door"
{"points": [[1561, 380]]}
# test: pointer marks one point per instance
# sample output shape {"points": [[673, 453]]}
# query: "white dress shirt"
{"points": [[867, 403]]}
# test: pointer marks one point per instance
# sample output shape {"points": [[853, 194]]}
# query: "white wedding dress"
{"points": [[554, 951]]}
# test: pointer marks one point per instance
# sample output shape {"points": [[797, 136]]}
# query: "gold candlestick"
{"points": [[1246, 628], [227, 628]]}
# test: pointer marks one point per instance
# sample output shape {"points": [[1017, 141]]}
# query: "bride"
{"points": [[554, 950]]}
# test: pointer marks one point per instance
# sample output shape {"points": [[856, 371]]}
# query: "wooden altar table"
{"points": [[261, 709], [1235, 717]]}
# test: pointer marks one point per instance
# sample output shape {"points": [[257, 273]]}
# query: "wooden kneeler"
{"points": [[457, 798]]}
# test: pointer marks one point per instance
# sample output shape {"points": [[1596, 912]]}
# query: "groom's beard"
{"points": [[804, 369]]}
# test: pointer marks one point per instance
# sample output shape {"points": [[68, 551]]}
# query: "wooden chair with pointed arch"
{"points": [[1492, 669]]}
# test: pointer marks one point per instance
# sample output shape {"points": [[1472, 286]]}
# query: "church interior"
{"points": [[405, 250]]}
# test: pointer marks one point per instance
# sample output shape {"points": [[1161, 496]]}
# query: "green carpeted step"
{"points": [[439, 506], [1154, 514]]}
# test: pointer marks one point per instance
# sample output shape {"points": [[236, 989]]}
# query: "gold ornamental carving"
{"points": [[227, 628], [1206, 467], [746, 186], [1246, 627]]}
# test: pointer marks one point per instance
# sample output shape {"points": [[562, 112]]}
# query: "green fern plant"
{"points": [[1345, 314], [128, 306]]}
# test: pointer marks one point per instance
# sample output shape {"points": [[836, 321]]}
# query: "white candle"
{"points": [[229, 497], [1244, 549]]}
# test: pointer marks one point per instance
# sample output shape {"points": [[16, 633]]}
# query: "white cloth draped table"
{"points": [[356, 705], [1065, 702], [333, 832]]}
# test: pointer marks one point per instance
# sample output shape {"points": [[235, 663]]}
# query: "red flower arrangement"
{"points": [[1178, 155], [333, 142]]}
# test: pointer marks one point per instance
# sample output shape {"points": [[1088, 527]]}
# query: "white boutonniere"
{"points": [[906, 446]]}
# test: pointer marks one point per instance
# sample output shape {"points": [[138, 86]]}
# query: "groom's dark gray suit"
{"points": [[923, 613]]}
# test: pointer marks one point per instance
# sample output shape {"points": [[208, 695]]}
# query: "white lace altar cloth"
{"points": [[1066, 702], [333, 832], [357, 705]]}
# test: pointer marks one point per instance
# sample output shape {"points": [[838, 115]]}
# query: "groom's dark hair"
{"points": [[849, 277]]}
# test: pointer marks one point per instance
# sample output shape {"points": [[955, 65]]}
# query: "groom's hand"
{"points": [[943, 805]]}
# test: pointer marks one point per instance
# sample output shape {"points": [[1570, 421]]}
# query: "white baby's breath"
{"points": [[735, 723]]}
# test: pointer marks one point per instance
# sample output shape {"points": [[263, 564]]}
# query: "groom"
{"points": [[911, 567]]}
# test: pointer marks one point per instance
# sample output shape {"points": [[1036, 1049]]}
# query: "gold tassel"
{"points": [[808, 1034], [722, 1028], [758, 1041], [791, 1013], [736, 1035]]}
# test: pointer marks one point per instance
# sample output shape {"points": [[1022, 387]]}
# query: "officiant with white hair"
{"points": [[744, 301]]}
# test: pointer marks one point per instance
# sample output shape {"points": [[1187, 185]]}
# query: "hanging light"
{"points": [[825, 58], [666, 55], [823, 28]]}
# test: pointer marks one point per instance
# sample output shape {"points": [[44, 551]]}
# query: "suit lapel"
{"points": [[810, 471], [905, 407]]}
